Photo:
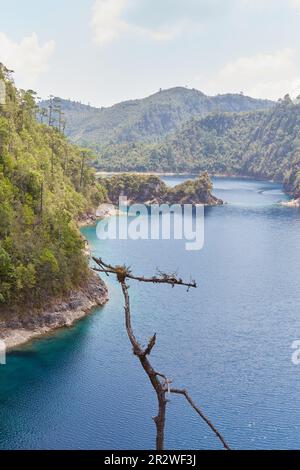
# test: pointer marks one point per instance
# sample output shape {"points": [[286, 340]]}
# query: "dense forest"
{"points": [[45, 185], [264, 144], [149, 119]]}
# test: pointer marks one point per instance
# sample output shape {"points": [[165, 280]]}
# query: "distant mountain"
{"points": [[264, 144], [149, 119]]}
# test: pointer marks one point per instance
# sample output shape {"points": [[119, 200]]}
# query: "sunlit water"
{"points": [[228, 342]]}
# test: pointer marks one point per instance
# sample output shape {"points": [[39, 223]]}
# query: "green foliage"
{"points": [[45, 185]]}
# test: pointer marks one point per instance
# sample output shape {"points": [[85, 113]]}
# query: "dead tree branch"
{"points": [[201, 414], [124, 272], [160, 382]]}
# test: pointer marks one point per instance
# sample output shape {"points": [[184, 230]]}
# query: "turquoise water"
{"points": [[228, 342]]}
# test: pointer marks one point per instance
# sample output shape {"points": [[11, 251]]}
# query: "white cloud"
{"points": [[295, 4], [262, 76], [163, 33], [27, 58], [108, 23], [106, 19]]}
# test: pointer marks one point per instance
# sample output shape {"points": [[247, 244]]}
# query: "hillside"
{"points": [[45, 185], [264, 144], [149, 119]]}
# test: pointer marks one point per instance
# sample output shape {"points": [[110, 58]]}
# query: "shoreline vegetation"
{"points": [[46, 187], [18, 329]]}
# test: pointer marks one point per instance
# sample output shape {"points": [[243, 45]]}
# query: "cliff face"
{"points": [[149, 189]]}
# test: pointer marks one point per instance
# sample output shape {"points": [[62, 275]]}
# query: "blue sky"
{"points": [[106, 51]]}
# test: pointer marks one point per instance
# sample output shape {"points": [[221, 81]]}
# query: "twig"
{"points": [[201, 414]]}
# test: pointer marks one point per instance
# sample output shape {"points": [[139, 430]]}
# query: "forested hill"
{"points": [[264, 144], [148, 119], [45, 185]]}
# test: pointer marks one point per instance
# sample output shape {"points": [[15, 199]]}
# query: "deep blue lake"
{"points": [[228, 342]]}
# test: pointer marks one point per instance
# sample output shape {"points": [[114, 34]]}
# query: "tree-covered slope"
{"points": [[149, 119], [45, 185], [263, 144]]}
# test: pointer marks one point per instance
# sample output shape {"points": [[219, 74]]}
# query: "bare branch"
{"points": [[151, 345], [123, 272], [201, 414]]}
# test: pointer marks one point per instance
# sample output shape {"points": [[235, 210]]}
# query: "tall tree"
{"points": [[50, 108]]}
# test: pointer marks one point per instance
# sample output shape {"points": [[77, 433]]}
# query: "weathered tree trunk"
{"points": [[161, 387], [160, 419]]}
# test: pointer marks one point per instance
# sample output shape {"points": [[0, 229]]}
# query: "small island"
{"points": [[151, 189]]}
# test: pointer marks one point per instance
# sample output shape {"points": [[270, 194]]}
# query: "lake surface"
{"points": [[228, 342]]}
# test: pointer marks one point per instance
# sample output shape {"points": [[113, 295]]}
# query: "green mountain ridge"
{"points": [[263, 144], [149, 119]]}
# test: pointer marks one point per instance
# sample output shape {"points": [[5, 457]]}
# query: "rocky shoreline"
{"points": [[104, 211], [17, 329]]}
